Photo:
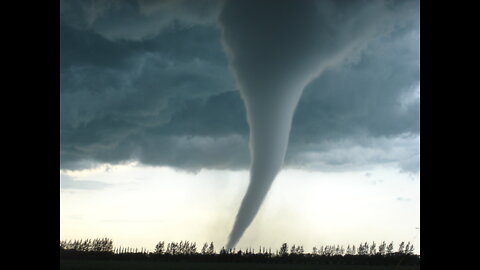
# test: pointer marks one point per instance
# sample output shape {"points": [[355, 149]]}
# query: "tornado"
{"points": [[275, 48]]}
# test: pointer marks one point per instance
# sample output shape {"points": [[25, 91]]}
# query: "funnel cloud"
{"points": [[275, 49]]}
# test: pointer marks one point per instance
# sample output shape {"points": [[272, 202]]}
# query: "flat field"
{"points": [[139, 265]]}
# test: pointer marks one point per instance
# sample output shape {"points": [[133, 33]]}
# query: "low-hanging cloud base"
{"points": [[121, 100]]}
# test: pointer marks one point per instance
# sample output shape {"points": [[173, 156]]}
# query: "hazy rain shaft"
{"points": [[275, 48]]}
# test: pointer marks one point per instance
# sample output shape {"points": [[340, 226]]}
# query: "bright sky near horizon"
{"points": [[137, 206]]}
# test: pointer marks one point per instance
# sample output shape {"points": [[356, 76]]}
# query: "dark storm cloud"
{"points": [[366, 95], [118, 95], [373, 102], [137, 20], [153, 84]]}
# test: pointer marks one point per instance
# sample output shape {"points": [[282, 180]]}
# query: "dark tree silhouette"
{"points": [[390, 248], [373, 249], [381, 248], [299, 250], [409, 249], [349, 250], [401, 248], [293, 250], [88, 245], [211, 249], [204, 248], [186, 251], [160, 248], [283, 250]]}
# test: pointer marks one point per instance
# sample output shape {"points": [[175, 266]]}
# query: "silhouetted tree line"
{"points": [[364, 253], [88, 245]]}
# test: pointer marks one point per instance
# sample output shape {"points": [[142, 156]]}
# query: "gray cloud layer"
{"points": [[138, 84], [138, 20]]}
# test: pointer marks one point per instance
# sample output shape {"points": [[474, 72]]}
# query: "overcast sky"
{"points": [[151, 113]]}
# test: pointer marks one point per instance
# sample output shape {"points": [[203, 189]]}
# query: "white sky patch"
{"points": [[143, 205], [314, 208]]}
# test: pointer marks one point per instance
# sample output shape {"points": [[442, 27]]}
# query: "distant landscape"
{"points": [[101, 254]]}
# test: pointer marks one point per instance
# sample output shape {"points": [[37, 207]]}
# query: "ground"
{"points": [[139, 265]]}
